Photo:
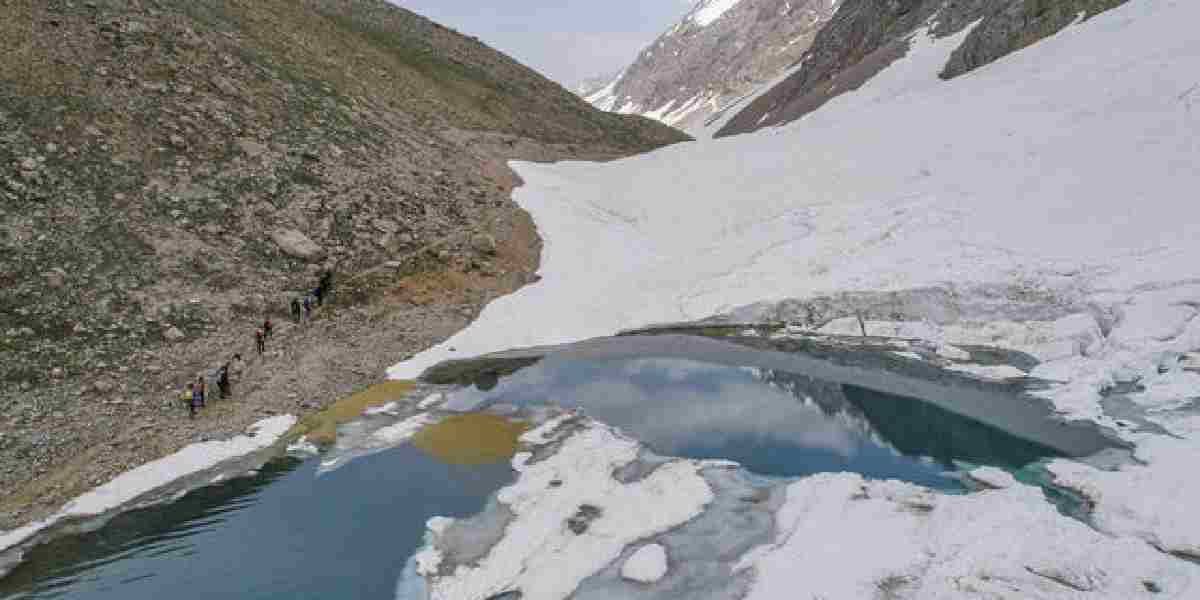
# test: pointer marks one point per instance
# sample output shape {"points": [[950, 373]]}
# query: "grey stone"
{"points": [[294, 243], [250, 147], [483, 243], [56, 278], [174, 334]]}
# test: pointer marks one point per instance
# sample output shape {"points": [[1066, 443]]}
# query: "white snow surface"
{"points": [[1065, 172], [708, 11], [843, 537], [647, 565], [993, 477], [154, 475], [1155, 502], [540, 555]]}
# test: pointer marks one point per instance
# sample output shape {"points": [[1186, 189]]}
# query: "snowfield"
{"points": [[1053, 196]]}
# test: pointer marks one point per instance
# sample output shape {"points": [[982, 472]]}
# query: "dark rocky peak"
{"points": [[865, 36]]}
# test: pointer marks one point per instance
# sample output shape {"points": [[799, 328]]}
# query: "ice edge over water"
{"points": [[155, 475]]}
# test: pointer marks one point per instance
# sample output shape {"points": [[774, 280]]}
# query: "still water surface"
{"points": [[286, 533]]}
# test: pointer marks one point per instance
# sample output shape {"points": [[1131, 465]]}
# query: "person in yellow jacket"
{"points": [[189, 397]]}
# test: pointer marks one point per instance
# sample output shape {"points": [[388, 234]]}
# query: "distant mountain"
{"points": [[719, 53], [591, 85], [865, 36]]}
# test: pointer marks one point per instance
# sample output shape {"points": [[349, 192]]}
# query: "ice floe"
{"points": [[571, 518], [647, 565]]}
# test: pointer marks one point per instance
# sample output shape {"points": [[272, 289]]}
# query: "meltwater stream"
{"points": [[294, 530]]}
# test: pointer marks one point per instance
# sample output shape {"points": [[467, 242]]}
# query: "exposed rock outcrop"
{"points": [[865, 36]]}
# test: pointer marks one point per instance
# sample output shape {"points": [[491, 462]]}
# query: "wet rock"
{"points": [[583, 518], [296, 244]]}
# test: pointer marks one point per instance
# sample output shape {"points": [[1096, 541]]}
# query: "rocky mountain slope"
{"points": [[719, 52], [173, 170], [865, 36]]}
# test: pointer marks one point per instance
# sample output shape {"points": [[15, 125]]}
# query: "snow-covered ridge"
{"points": [[155, 475], [707, 11], [720, 51]]}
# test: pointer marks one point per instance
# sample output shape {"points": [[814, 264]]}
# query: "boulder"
{"points": [[483, 243], [56, 278], [250, 147], [297, 245], [174, 334]]}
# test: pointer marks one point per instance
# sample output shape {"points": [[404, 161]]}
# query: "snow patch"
{"points": [[647, 565], [993, 477], [564, 532], [708, 11], [843, 537], [158, 474]]}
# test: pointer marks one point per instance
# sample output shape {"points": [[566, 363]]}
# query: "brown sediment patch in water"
{"points": [[321, 428], [471, 439]]}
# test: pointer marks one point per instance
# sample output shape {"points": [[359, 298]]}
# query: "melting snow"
{"points": [[647, 565], [1076, 191], [154, 475]]}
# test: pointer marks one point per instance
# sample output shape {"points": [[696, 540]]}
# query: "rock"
{"points": [[483, 243], [103, 385], [250, 147], [296, 244], [174, 334], [224, 85], [177, 141], [56, 278], [57, 372], [385, 225]]}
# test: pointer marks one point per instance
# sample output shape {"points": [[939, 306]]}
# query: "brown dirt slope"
{"points": [[173, 170]]}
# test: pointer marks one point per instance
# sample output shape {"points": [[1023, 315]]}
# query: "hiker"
{"points": [[201, 388], [267, 328], [319, 293], [308, 308], [189, 397], [295, 309], [223, 380], [327, 281], [260, 341]]}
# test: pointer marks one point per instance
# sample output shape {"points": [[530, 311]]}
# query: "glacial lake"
{"points": [[295, 530]]}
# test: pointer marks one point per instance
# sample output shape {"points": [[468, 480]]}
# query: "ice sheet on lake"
{"points": [[843, 537], [571, 518]]}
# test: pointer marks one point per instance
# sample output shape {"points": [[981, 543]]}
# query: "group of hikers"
{"points": [[195, 395], [302, 308]]}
